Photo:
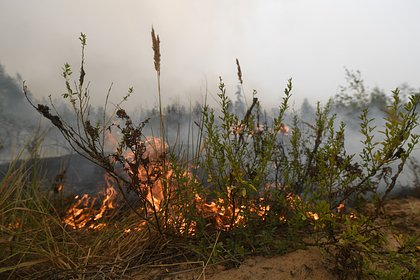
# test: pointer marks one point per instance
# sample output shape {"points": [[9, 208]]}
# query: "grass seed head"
{"points": [[156, 50], [239, 71]]}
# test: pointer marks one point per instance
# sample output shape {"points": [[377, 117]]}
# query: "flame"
{"points": [[295, 201], [220, 213], [284, 129], [313, 216], [156, 149], [84, 214], [340, 208], [16, 224]]}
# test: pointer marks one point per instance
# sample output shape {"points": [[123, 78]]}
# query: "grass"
{"points": [[35, 243]]}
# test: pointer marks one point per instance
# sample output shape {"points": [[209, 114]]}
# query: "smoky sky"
{"points": [[310, 41]]}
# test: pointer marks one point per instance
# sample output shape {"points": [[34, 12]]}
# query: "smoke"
{"points": [[349, 103], [23, 129], [17, 119], [19, 123]]}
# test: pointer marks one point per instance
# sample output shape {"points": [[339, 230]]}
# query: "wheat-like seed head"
{"points": [[156, 50], [239, 71]]}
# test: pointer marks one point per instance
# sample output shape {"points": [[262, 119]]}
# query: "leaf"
{"points": [[244, 192]]}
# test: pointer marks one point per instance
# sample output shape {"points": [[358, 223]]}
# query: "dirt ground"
{"points": [[303, 264], [300, 264]]}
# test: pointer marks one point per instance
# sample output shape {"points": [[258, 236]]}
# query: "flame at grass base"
{"points": [[166, 195], [85, 212]]}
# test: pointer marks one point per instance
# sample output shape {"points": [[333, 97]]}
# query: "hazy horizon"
{"points": [[309, 41]]}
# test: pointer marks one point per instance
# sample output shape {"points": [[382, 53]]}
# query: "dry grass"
{"points": [[35, 243]]}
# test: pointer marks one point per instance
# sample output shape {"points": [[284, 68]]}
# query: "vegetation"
{"points": [[252, 185]]}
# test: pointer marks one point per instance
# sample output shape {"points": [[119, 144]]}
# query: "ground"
{"points": [[300, 264]]}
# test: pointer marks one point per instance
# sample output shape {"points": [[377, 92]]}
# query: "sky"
{"points": [[310, 41]]}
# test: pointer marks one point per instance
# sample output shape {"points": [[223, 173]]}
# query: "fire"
{"points": [[221, 214], [156, 183], [284, 129], [155, 149], [16, 224], [313, 216], [295, 201], [83, 213]]}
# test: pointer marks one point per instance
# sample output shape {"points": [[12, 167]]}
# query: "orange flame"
{"points": [[83, 213], [284, 129]]}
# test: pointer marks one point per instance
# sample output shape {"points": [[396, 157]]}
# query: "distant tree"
{"points": [[353, 96], [378, 99], [197, 110], [10, 91], [15, 118], [239, 105], [306, 110]]}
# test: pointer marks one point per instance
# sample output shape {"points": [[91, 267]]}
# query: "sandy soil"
{"points": [[308, 263], [300, 264]]}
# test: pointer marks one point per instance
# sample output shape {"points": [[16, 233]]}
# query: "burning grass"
{"points": [[93, 237], [97, 237], [39, 243]]}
